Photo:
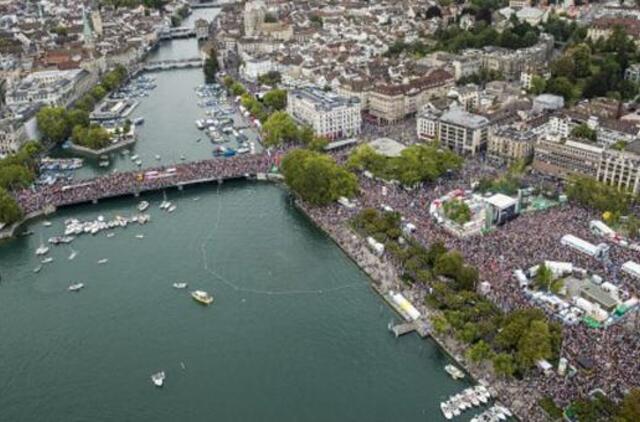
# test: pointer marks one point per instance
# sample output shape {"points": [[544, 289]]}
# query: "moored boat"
{"points": [[180, 285], [158, 378], [75, 287], [143, 205]]}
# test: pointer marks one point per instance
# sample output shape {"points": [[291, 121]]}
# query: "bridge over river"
{"points": [[38, 199], [173, 64]]}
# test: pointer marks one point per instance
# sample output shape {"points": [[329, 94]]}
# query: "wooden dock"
{"points": [[419, 326]]}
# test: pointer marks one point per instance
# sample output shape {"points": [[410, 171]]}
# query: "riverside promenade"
{"points": [[385, 277]]}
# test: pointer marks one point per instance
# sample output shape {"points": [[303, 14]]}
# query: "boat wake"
{"points": [[208, 268]]}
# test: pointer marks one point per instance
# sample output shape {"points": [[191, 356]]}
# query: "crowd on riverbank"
{"points": [[125, 183], [521, 243]]}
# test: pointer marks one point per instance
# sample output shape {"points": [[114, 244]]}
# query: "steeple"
{"points": [[87, 31]]}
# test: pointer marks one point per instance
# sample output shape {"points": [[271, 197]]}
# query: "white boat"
{"points": [[72, 255], [182, 157], [158, 378], [454, 372], [138, 121], [37, 269], [75, 287], [46, 223], [138, 162], [103, 261], [42, 250], [197, 198], [139, 236], [202, 297], [180, 285], [47, 260], [142, 206], [172, 208], [134, 157], [446, 410], [157, 157], [110, 234]]}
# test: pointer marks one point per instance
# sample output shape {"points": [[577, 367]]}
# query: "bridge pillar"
{"points": [[136, 194], [220, 181], [180, 187], [94, 201]]}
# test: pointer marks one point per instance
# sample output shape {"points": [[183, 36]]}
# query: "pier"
{"points": [[152, 66]]}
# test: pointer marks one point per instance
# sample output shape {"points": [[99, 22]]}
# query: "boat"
{"points": [[171, 208], [182, 157], [37, 269], [47, 260], [134, 157], [446, 410], [157, 157], [158, 378], [138, 121], [138, 162], [180, 285], [42, 250], [75, 287], [46, 223], [202, 297], [110, 234], [454, 372], [72, 255], [104, 163], [103, 261], [140, 236], [142, 206]]}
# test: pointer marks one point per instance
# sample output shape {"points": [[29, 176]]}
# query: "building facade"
{"points": [[463, 132], [330, 115]]}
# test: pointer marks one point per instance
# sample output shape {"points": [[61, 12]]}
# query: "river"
{"points": [[295, 332]]}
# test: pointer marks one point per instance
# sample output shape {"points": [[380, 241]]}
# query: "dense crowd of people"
{"points": [[528, 240], [125, 183]]}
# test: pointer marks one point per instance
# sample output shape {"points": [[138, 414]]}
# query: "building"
{"points": [[463, 132], [253, 68], [564, 158], [602, 28], [329, 115], [509, 144], [12, 136], [620, 169], [633, 73], [51, 87], [392, 102], [254, 14], [547, 102]]}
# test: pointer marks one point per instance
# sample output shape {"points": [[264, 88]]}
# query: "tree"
{"points": [[479, 352], [316, 177], [534, 345], [433, 12], [211, 66], [538, 85], [561, 86], [585, 132], [279, 129], [503, 364], [630, 406], [316, 20], [276, 99], [449, 263], [237, 89], [271, 78], [10, 211], [544, 277], [53, 123]]}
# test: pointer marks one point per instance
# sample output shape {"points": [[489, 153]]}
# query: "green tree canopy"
{"points": [[316, 177], [279, 129], [10, 211]]}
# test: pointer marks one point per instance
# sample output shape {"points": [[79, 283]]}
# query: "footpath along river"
{"points": [[295, 332]]}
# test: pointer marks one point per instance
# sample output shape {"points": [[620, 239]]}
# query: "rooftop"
{"points": [[465, 119], [387, 147]]}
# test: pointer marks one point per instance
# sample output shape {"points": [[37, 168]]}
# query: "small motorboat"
{"points": [[180, 285], [42, 250], [46, 223], [72, 255], [75, 287], [37, 269], [103, 261], [172, 208], [139, 236], [138, 121], [158, 378], [142, 206], [110, 234], [47, 260], [202, 297], [157, 157]]}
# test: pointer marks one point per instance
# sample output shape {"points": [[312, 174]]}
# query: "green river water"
{"points": [[295, 332]]}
